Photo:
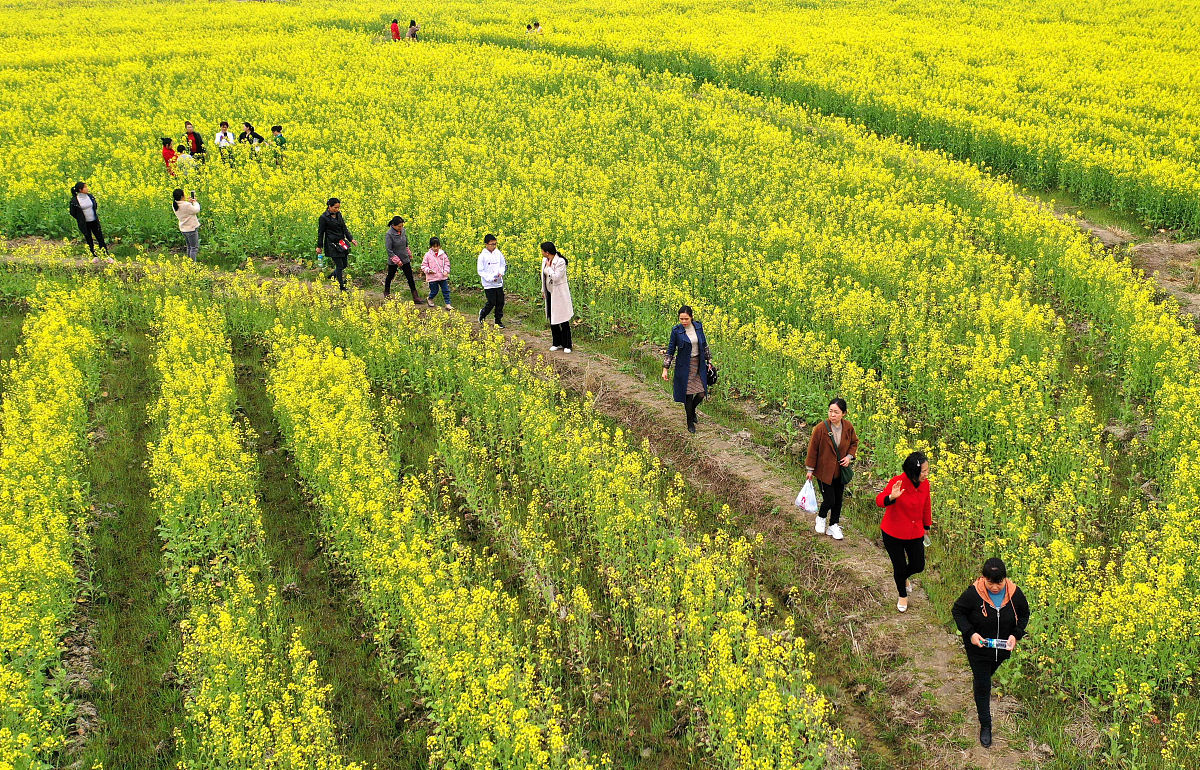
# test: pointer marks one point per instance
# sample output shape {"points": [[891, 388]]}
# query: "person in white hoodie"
{"points": [[186, 212], [491, 267]]}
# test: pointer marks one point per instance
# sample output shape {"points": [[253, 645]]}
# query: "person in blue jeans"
{"points": [[436, 267]]}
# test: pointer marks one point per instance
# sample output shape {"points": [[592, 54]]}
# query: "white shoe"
{"points": [[553, 347], [835, 531], [820, 526], [566, 350], [449, 307], [902, 607]]}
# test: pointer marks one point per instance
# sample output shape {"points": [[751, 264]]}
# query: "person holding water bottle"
{"points": [[992, 615]]}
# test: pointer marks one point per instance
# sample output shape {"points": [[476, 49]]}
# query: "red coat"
{"points": [[909, 516], [395, 31], [169, 160]]}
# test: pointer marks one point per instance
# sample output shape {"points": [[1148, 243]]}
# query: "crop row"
{"points": [[471, 650], [43, 532], [254, 697]]}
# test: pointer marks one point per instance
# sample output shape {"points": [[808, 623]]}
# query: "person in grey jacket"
{"points": [[399, 255]]}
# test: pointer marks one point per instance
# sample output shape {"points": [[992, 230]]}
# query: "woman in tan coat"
{"points": [[559, 309], [832, 448]]}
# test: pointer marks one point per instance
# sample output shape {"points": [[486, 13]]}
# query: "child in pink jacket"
{"points": [[436, 267]]}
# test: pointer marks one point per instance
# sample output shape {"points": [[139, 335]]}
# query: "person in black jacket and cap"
{"points": [[334, 237], [992, 608], [83, 209]]}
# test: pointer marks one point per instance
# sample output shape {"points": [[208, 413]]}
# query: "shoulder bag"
{"points": [[846, 471]]}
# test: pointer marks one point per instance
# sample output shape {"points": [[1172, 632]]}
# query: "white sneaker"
{"points": [[449, 306], [566, 350], [902, 605], [820, 526], [553, 347], [835, 531]]}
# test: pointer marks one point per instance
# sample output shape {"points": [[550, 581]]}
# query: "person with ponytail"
{"points": [[559, 308], [992, 615], [690, 380], [186, 212], [907, 516]]}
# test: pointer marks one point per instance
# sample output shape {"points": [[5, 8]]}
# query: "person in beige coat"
{"points": [[187, 211], [559, 308]]}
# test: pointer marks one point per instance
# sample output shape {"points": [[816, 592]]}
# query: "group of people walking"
{"points": [[335, 240], [991, 614], [410, 35], [182, 158]]}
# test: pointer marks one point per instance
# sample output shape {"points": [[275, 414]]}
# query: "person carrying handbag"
{"points": [[831, 450], [399, 255], [334, 237]]}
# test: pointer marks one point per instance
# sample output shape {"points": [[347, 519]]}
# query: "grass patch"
{"points": [[382, 723], [137, 633]]}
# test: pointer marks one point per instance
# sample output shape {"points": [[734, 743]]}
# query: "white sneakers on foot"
{"points": [[566, 350], [835, 531], [553, 348], [902, 605], [820, 526]]}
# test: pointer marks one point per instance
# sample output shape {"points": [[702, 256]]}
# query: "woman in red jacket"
{"points": [[907, 515]]}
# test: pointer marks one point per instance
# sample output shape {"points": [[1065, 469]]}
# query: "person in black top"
{"points": [[991, 608], [194, 142], [250, 135], [83, 209], [334, 237]]}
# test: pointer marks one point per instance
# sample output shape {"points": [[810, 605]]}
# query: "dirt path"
{"points": [[857, 582]]}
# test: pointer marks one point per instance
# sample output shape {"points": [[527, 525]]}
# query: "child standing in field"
{"points": [[907, 515], [168, 155], [413, 29], [832, 448], [436, 267], [185, 162], [187, 212], [491, 268], [559, 308], [396, 30]]}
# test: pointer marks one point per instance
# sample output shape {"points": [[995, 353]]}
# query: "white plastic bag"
{"points": [[807, 499]]}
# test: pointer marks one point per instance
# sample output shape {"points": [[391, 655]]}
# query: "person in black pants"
{"points": [[991, 608], [334, 237], [831, 449], [907, 515], [689, 381], [83, 209], [399, 255]]}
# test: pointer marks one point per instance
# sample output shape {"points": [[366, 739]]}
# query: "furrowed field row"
{"points": [[43, 497], [254, 696], [472, 654]]}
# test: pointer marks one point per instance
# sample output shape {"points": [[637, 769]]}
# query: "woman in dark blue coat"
{"points": [[690, 382]]}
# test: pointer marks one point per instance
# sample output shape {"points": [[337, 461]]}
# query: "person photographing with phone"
{"points": [[187, 212], [907, 515], [992, 615]]}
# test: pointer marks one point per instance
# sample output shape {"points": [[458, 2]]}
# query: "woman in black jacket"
{"points": [[83, 209], [992, 611]]}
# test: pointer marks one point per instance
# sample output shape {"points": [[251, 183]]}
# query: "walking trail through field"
{"points": [[932, 680]]}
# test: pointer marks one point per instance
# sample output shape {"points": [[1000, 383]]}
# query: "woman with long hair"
{"points": [[559, 308]]}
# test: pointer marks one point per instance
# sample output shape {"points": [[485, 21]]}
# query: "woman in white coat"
{"points": [[559, 309]]}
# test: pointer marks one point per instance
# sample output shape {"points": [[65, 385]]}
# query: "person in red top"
{"points": [[907, 516], [396, 30], [168, 153]]}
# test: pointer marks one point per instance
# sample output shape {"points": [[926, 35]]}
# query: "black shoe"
{"points": [[500, 325], [691, 427], [985, 736]]}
